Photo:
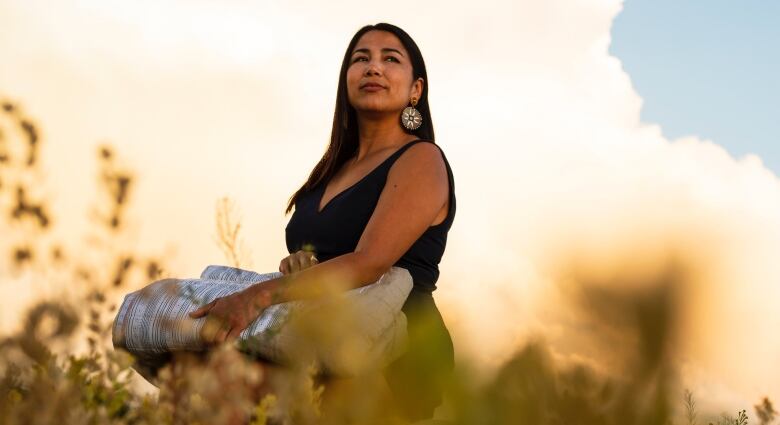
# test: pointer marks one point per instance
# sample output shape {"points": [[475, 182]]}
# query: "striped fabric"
{"points": [[153, 322]]}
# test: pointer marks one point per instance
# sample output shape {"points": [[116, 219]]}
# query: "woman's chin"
{"points": [[370, 109]]}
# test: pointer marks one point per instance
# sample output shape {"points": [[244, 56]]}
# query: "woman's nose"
{"points": [[372, 69]]}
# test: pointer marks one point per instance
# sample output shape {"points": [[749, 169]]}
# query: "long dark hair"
{"points": [[344, 134]]}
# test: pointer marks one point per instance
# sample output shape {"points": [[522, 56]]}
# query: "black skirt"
{"points": [[418, 378]]}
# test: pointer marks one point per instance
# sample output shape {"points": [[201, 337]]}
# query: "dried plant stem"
{"points": [[228, 230]]}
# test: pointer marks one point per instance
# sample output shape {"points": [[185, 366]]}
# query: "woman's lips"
{"points": [[372, 88]]}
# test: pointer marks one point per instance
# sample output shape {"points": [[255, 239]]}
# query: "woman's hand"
{"points": [[297, 261], [228, 316]]}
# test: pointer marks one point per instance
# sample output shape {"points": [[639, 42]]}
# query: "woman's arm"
{"points": [[416, 189], [338, 274]]}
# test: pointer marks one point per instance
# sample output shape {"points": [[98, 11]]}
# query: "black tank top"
{"points": [[336, 230]]}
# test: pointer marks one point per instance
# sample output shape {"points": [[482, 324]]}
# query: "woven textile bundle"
{"points": [[153, 322]]}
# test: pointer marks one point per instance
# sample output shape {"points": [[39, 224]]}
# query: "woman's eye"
{"points": [[358, 59]]}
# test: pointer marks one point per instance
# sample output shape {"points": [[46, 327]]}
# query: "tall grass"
{"points": [[60, 366]]}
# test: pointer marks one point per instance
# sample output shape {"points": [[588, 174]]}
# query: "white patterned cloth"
{"points": [[153, 322]]}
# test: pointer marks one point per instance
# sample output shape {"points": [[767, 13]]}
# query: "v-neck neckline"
{"points": [[325, 186]]}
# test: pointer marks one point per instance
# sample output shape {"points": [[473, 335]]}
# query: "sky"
{"points": [[706, 68], [556, 162]]}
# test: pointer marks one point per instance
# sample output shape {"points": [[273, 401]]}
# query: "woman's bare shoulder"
{"points": [[420, 162]]}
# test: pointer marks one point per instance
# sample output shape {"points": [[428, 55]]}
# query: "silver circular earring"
{"points": [[410, 117]]}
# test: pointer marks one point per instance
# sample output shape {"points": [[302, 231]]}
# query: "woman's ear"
{"points": [[417, 88]]}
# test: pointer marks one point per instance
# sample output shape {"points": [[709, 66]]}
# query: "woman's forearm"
{"points": [[335, 275]]}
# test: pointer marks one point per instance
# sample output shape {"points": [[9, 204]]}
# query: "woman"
{"points": [[382, 195]]}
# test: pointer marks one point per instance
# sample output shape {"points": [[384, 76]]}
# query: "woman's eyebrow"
{"points": [[386, 49]]}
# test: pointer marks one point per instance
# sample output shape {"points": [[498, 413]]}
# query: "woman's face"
{"points": [[380, 58]]}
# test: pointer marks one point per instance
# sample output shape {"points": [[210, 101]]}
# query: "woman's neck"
{"points": [[377, 135]]}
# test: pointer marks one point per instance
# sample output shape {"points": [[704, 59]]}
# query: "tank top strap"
{"points": [[392, 158]]}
